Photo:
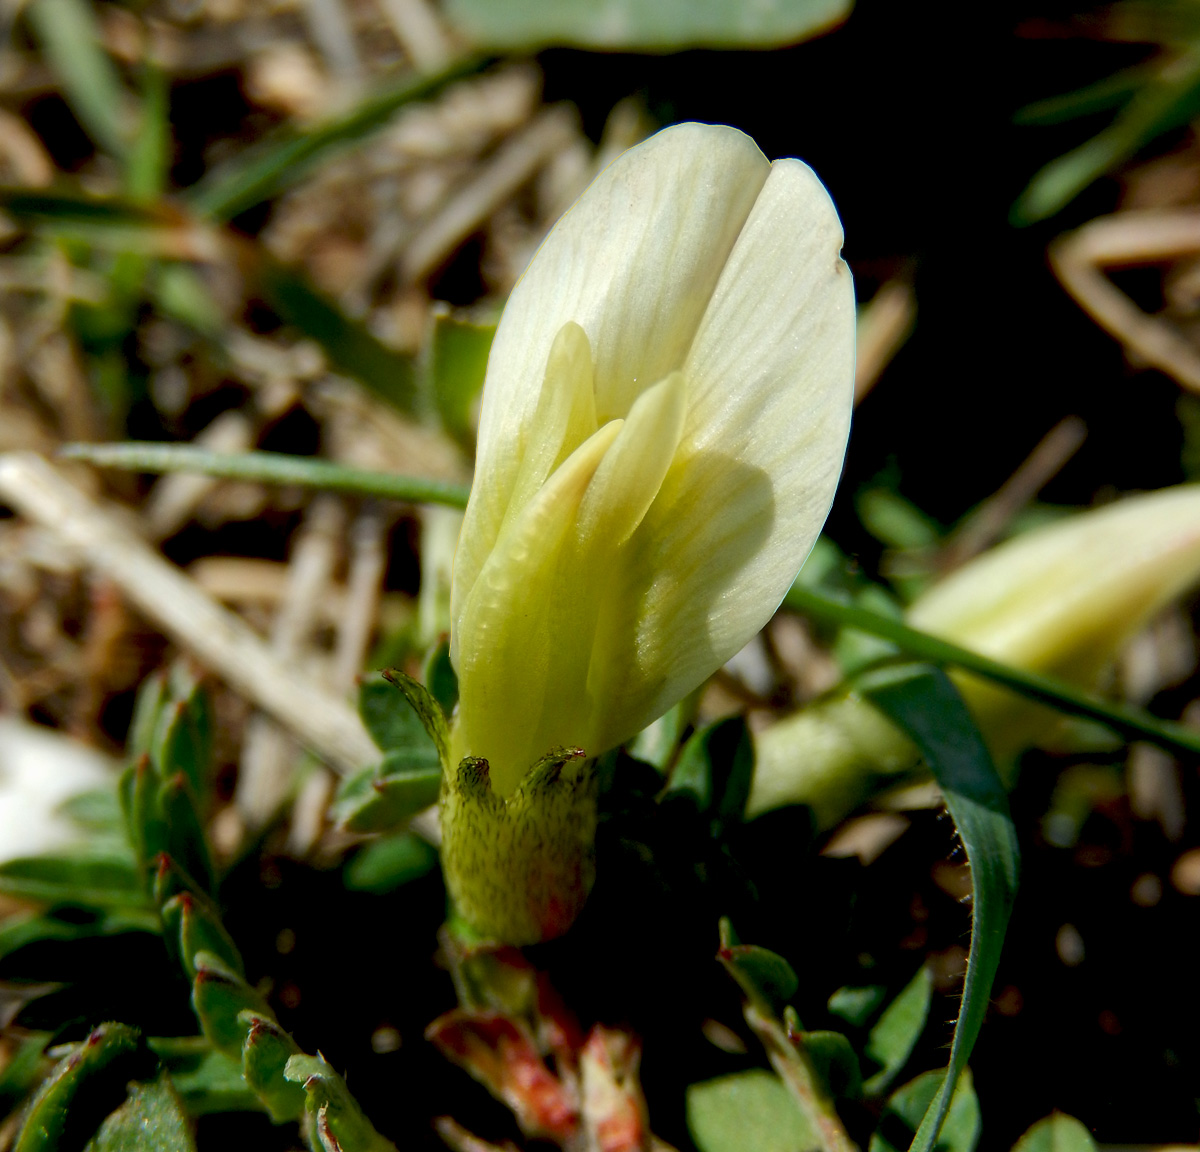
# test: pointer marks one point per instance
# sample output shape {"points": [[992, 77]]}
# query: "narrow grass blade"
{"points": [[350, 345], [922, 700], [1109, 92], [261, 173], [271, 468], [70, 37], [1169, 99], [150, 155], [1131, 723]]}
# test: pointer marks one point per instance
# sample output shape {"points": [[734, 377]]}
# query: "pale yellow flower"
{"points": [[664, 419], [1064, 600]]}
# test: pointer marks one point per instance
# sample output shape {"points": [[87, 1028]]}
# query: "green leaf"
{"points": [[88, 880], [393, 724], [1167, 100], [765, 977], [922, 701], [186, 842], [389, 862], [893, 1038], [265, 1056], [658, 743], [50, 208], [151, 696], [168, 880], [381, 800], [194, 927], [1109, 92], [206, 1079], [458, 361], [23, 1069], [219, 994], [18, 931], [349, 345], [411, 728], [427, 709], [108, 1054], [70, 36], [183, 733], [441, 678], [152, 1119], [178, 291], [895, 521], [140, 788], [715, 768], [833, 1059], [915, 1100], [185, 835], [1057, 1133], [664, 26], [278, 163], [340, 1123], [746, 1112], [857, 1005], [98, 811]]}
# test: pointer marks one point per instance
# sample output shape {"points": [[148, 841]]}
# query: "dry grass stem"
{"points": [[176, 496], [364, 433], [1131, 238], [268, 752], [360, 606], [247, 581], [987, 523], [418, 28], [22, 154], [884, 324], [329, 26], [165, 595], [308, 812], [1155, 789], [514, 164]]}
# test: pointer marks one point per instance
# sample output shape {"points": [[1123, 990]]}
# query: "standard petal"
{"points": [[770, 377], [634, 263]]}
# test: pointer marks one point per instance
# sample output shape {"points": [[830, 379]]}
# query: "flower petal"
{"points": [[770, 377], [634, 263]]}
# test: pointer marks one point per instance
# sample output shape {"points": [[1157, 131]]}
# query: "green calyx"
{"points": [[519, 868]]}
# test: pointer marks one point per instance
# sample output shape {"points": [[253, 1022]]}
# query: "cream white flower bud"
{"points": [[664, 419]]}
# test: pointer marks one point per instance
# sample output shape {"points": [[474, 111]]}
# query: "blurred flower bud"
{"points": [[1061, 600]]}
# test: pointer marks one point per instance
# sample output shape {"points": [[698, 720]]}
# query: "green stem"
{"points": [[271, 468], [1131, 723]]}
